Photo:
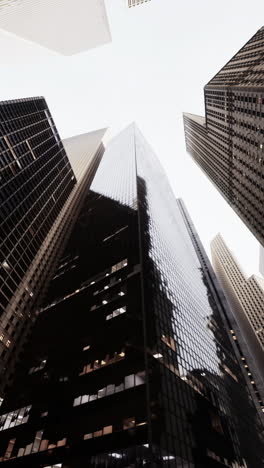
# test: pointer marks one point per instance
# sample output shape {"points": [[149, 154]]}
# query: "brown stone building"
{"points": [[228, 143]]}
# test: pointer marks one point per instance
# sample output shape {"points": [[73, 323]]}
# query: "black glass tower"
{"points": [[228, 143], [36, 179], [129, 363]]}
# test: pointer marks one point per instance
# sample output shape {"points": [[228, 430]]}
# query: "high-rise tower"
{"points": [[38, 191], [129, 363], [228, 144], [261, 260], [246, 298]]}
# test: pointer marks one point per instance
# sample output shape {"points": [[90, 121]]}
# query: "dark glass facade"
{"points": [[228, 144], [36, 179], [129, 363]]}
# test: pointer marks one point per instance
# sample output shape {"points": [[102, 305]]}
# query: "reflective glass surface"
{"points": [[209, 414], [138, 367]]}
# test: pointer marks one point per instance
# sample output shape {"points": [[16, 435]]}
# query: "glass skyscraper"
{"points": [[38, 190], [129, 363], [36, 179]]}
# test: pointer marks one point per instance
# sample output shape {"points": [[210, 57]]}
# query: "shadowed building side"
{"points": [[38, 192], [129, 362]]}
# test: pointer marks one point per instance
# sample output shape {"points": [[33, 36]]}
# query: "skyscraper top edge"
{"points": [[27, 99], [247, 278], [211, 81], [198, 118], [98, 130]]}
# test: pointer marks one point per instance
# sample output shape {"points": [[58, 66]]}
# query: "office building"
{"points": [[64, 26], [36, 180], [132, 3], [38, 189], [129, 363], [246, 299], [228, 143], [261, 259]]}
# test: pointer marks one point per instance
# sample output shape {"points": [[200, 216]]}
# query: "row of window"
{"points": [[14, 418], [39, 444], [103, 362], [105, 301], [116, 312], [37, 368], [130, 381], [114, 268], [128, 423]]}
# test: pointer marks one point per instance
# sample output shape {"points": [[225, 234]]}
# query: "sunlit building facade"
{"points": [[64, 26], [246, 298], [261, 260], [228, 143], [129, 363]]}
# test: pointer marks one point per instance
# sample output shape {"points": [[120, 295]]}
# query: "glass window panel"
{"points": [[110, 389], [129, 381], [108, 430]]}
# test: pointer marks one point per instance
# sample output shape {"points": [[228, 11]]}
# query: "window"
{"points": [[130, 381], [129, 423], [116, 312], [37, 368], [6, 266], [14, 418], [99, 433], [58, 465], [169, 341], [119, 265], [104, 362]]}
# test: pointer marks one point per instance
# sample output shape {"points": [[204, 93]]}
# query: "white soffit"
{"points": [[65, 26]]}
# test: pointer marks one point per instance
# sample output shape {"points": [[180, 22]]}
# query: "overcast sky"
{"points": [[162, 54]]}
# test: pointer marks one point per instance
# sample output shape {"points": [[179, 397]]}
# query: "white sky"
{"points": [[163, 53]]}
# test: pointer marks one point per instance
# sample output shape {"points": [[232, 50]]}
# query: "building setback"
{"points": [[38, 191], [228, 144], [246, 298], [73, 26], [129, 363]]}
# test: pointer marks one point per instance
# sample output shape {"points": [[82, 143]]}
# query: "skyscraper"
{"points": [[38, 189], [228, 144], [65, 26], [246, 298], [132, 3], [261, 260], [129, 363]]}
